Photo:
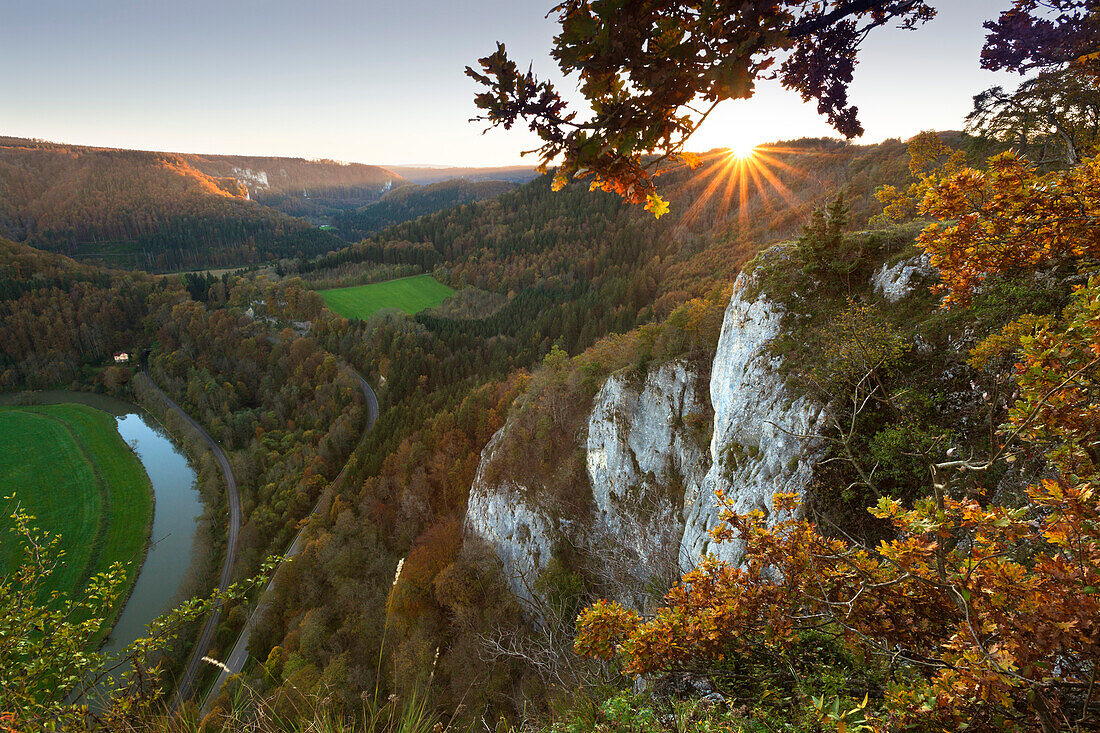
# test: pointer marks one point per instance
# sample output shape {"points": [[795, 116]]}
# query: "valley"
{"points": [[237, 351], [163, 211], [563, 383], [729, 406]]}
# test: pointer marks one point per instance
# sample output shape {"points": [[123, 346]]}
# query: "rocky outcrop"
{"points": [[896, 281], [645, 448], [763, 440], [521, 535], [653, 482], [645, 452], [254, 180]]}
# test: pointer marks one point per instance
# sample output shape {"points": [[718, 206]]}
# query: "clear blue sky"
{"points": [[382, 82]]}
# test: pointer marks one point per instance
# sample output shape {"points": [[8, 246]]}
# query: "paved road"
{"points": [[239, 655], [183, 689]]}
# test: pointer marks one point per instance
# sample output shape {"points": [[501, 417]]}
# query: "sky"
{"points": [[383, 83]]}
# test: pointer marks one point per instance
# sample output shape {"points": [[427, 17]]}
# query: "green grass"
{"points": [[410, 294], [68, 467]]}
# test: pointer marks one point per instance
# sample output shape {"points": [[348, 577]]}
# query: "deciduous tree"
{"points": [[1010, 218], [652, 71], [1043, 35], [1054, 117]]}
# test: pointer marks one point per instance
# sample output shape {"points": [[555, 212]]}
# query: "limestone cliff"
{"points": [[521, 536], [645, 452], [763, 440], [652, 478]]}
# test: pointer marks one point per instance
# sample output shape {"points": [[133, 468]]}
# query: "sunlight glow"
{"points": [[751, 185], [742, 151]]}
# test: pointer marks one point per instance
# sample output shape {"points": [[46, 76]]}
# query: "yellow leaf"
{"points": [[691, 159], [656, 205]]}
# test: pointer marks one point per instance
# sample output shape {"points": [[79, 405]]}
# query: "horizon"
{"points": [[365, 82], [444, 166]]}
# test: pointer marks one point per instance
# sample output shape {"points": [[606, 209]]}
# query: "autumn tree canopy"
{"points": [[1043, 35], [652, 71]]}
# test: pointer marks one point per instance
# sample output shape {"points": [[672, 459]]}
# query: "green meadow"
{"points": [[68, 467], [410, 294]]}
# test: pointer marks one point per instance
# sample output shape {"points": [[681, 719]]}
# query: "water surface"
{"points": [[176, 510]]}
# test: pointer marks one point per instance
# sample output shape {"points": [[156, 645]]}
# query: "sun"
{"points": [[742, 151]]}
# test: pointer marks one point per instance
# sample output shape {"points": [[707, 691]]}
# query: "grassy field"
{"points": [[410, 294], [68, 466]]}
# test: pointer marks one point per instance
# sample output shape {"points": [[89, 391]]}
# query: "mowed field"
{"points": [[410, 294], [67, 466]]}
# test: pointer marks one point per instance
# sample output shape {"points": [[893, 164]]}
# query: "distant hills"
{"points": [[434, 174], [299, 187], [161, 211], [411, 201], [166, 211]]}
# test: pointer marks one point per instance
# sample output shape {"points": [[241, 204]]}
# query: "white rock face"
{"points": [[763, 441], [519, 534], [653, 485], [894, 282], [644, 453], [251, 178]]}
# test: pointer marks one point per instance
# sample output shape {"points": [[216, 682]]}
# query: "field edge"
{"points": [[143, 483], [403, 293]]}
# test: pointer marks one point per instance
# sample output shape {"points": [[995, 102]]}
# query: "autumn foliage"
{"points": [[993, 611], [984, 613], [1010, 218]]}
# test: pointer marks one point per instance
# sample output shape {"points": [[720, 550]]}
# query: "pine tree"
{"points": [[822, 241]]}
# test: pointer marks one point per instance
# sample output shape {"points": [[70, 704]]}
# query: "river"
{"points": [[176, 510]]}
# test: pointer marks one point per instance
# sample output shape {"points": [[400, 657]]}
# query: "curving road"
{"points": [[183, 689], [235, 662]]}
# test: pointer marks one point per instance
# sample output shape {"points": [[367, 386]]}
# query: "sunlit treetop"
{"points": [[652, 70]]}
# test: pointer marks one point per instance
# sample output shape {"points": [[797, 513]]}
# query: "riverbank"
{"points": [[167, 542]]}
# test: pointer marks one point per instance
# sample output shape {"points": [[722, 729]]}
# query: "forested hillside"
{"points": [[57, 316], [591, 298], [307, 188], [409, 202], [584, 274], [160, 211], [286, 411]]}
